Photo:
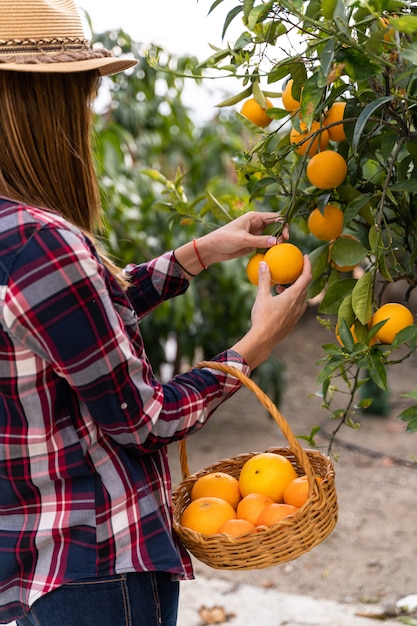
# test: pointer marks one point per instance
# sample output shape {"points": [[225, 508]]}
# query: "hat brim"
{"points": [[105, 66]]}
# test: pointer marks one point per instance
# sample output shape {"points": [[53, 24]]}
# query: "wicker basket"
{"points": [[282, 542]]}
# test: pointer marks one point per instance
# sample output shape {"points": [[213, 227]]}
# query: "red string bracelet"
{"points": [[198, 255]]}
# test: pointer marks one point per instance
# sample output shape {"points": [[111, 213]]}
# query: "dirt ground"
{"points": [[371, 555]]}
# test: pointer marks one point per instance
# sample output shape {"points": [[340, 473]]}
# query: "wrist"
{"points": [[254, 348], [191, 258]]}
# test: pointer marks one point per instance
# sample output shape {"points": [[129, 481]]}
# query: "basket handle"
{"points": [[295, 446]]}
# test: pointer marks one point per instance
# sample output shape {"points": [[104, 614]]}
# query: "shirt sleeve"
{"points": [[59, 307], [153, 282]]}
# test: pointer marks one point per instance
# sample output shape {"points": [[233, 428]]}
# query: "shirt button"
{"points": [[124, 405]]}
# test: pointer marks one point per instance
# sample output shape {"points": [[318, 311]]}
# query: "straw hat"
{"points": [[48, 36]]}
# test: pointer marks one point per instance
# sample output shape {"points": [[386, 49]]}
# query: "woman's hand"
{"points": [[273, 317], [237, 238], [240, 237]]}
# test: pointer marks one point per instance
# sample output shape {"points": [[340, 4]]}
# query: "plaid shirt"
{"points": [[84, 479]]}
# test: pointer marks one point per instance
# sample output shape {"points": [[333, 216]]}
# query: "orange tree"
{"points": [[338, 81], [348, 71]]}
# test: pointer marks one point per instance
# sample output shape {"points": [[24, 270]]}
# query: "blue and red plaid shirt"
{"points": [[85, 485]]}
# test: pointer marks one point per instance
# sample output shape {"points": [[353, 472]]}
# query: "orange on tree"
{"points": [[251, 506], [218, 485], [285, 262], [288, 101], [326, 170], [296, 492], [206, 515], [389, 34], [333, 115], [252, 267], [253, 111], [274, 513], [398, 317], [267, 473], [327, 225], [237, 527], [312, 139]]}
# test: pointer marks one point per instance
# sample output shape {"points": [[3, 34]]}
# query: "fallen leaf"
{"points": [[214, 615]]}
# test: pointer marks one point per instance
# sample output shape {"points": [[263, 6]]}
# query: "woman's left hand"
{"points": [[240, 237], [237, 238]]}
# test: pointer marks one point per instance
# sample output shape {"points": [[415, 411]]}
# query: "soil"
{"points": [[370, 557]]}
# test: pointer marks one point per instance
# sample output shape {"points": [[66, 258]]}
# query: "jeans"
{"points": [[137, 599]]}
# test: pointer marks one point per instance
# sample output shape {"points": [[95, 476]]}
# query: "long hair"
{"points": [[45, 156]]}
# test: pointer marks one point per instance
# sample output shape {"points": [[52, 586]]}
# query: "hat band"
{"points": [[48, 50]]}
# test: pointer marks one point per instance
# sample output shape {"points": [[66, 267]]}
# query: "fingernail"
{"points": [[272, 241], [263, 266]]}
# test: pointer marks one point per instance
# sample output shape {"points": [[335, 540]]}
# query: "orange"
{"points": [[342, 268], [252, 267], [266, 473], [327, 225], [289, 103], [217, 485], [398, 317], [237, 527], [255, 113], [250, 506], [285, 262], [326, 169], [389, 35], [206, 515], [309, 144], [274, 513], [333, 115], [296, 492]]}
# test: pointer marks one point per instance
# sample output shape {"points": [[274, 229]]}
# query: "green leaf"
{"points": [[230, 17], [410, 394], [347, 252], [242, 41], [334, 364], [376, 370], [354, 207], [327, 55], [362, 297], [328, 8], [312, 95], [258, 14], [405, 24], [259, 95], [405, 185], [235, 99], [404, 335], [335, 294], [310, 438], [345, 335], [364, 117], [410, 415], [410, 53], [374, 238], [319, 259], [345, 312]]}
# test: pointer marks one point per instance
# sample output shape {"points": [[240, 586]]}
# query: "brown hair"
{"points": [[45, 156]]}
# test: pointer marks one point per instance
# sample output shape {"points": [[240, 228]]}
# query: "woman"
{"points": [[85, 517]]}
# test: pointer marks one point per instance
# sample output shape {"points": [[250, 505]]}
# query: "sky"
{"points": [[179, 26]]}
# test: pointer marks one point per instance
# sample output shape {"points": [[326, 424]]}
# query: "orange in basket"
{"points": [[284, 540]]}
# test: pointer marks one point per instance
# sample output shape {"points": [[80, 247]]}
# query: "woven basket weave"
{"points": [[282, 542]]}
